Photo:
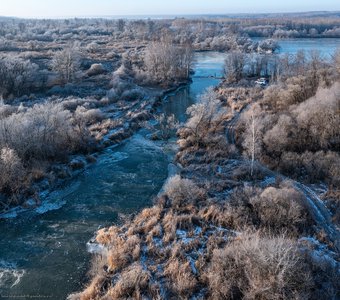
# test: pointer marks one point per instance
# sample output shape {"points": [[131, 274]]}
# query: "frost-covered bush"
{"points": [[281, 209], [11, 170], [66, 63], [205, 116], [45, 131], [124, 90], [133, 94], [95, 69], [88, 116], [16, 76]]}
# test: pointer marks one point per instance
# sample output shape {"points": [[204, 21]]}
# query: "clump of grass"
{"points": [[132, 284], [181, 280], [122, 252]]}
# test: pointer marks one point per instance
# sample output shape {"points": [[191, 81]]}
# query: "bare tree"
{"points": [[206, 115], [234, 66], [66, 63], [253, 135], [166, 62]]}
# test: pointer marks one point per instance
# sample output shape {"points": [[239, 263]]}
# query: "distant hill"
{"points": [[2, 18], [293, 15]]}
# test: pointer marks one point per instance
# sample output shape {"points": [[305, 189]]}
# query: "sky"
{"points": [[83, 8]]}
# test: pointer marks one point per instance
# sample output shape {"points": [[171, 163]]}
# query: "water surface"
{"points": [[326, 46]]}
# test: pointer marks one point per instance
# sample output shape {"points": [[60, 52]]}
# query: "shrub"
{"points": [[66, 63], [95, 69], [11, 170], [88, 116], [205, 116], [6, 110], [124, 90], [15, 76], [181, 280], [45, 131], [280, 209], [254, 267], [132, 94], [183, 191], [166, 126], [303, 138]]}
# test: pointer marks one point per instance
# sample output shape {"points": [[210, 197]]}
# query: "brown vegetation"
{"points": [[210, 237], [192, 251], [255, 267]]}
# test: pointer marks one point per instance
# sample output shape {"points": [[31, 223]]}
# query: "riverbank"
{"points": [[119, 122]]}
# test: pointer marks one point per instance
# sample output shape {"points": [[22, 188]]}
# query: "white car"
{"points": [[262, 81]]}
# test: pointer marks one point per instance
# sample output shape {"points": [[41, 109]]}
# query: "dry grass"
{"points": [[93, 291], [181, 280], [132, 284], [122, 252]]}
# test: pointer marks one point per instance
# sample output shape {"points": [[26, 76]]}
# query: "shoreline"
{"points": [[82, 162]]}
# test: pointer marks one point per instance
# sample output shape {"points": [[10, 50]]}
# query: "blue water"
{"points": [[326, 46]]}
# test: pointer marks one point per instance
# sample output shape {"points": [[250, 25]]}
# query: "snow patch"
{"points": [[198, 230], [320, 253], [48, 206], [95, 248], [181, 234], [268, 181], [9, 274]]}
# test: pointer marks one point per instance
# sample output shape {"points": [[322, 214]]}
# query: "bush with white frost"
{"points": [[281, 209], [11, 170], [124, 90], [205, 116], [95, 69], [16, 76], [66, 63], [45, 131]]}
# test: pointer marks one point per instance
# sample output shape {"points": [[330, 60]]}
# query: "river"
{"points": [[43, 252], [326, 46]]}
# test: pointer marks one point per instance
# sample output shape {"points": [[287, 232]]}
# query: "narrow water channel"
{"points": [[43, 252]]}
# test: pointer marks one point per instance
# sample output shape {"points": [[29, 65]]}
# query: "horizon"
{"points": [[37, 9], [161, 16]]}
